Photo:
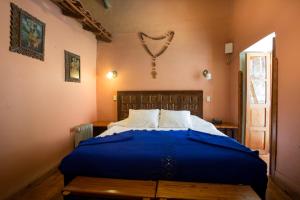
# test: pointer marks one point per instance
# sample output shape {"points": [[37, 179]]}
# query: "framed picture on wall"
{"points": [[27, 33], [72, 67]]}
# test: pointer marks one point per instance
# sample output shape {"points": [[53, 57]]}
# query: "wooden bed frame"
{"points": [[191, 100]]}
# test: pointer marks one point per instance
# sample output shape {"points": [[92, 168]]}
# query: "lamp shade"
{"points": [[112, 75]]}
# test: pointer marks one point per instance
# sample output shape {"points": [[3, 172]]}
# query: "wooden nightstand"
{"points": [[227, 128], [99, 127]]}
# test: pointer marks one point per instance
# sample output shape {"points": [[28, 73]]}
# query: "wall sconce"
{"points": [[112, 75], [228, 52], [207, 74]]}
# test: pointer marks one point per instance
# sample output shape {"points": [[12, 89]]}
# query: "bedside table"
{"points": [[99, 127], [227, 128]]}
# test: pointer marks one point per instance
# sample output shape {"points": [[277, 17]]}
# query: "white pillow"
{"points": [[175, 119], [143, 118], [202, 125]]}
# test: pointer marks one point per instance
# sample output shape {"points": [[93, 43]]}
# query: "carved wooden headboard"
{"points": [[191, 100]]}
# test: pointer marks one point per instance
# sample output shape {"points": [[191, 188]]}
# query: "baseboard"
{"points": [[287, 185], [34, 180]]}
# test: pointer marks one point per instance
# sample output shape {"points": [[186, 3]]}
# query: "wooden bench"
{"points": [[163, 190], [113, 188], [188, 190]]}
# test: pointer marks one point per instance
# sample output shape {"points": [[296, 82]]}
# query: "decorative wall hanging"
{"points": [[169, 35], [72, 67], [27, 33]]}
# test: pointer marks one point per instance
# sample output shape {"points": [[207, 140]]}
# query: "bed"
{"points": [[199, 153]]}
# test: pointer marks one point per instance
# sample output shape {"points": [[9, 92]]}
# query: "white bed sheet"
{"points": [[198, 124]]}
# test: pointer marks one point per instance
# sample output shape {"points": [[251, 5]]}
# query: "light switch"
{"points": [[208, 99], [115, 98]]}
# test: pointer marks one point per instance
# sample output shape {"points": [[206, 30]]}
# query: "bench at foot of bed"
{"points": [[188, 190], [101, 188]]}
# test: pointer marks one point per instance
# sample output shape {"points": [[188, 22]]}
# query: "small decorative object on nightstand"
{"points": [[99, 127], [227, 128]]}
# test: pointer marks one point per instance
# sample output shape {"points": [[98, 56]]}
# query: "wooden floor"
{"points": [[50, 187]]}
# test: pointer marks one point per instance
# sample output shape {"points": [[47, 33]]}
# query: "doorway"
{"points": [[256, 66], [257, 135]]}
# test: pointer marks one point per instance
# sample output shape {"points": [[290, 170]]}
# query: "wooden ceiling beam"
{"points": [[74, 9]]}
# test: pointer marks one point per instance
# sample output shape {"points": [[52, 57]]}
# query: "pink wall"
{"points": [[252, 20], [37, 108], [200, 33]]}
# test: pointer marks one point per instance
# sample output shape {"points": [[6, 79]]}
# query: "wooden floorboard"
{"points": [[50, 189], [47, 189]]}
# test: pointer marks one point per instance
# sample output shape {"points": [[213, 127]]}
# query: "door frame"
{"points": [[274, 111]]}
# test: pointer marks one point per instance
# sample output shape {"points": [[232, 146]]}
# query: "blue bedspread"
{"points": [[168, 155]]}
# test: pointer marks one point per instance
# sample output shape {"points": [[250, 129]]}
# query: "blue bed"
{"points": [[168, 155]]}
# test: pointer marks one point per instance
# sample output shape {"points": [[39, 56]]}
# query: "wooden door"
{"points": [[274, 111], [258, 101]]}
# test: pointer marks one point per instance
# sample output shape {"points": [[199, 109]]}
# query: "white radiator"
{"points": [[83, 132]]}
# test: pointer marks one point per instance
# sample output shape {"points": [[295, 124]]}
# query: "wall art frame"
{"points": [[72, 67], [27, 33]]}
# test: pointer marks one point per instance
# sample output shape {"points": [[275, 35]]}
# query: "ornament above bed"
{"points": [[168, 36]]}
